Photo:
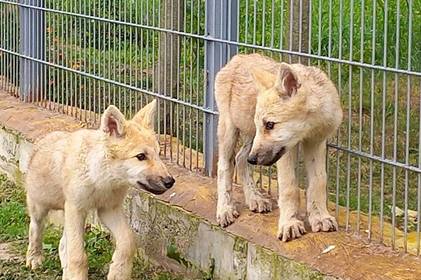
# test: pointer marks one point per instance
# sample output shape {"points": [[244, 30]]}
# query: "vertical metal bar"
{"points": [[215, 52], [6, 46], [395, 125], [120, 51], [384, 89], [281, 37], [64, 57], [15, 58], [130, 71], [105, 88], [408, 122], [95, 71], [372, 92], [177, 107], [300, 24], [198, 92], [246, 22], [60, 61], [75, 62], [419, 176], [191, 62], [254, 22], [330, 38], [348, 183], [87, 95], [49, 57], [340, 94], [360, 116], [171, 79], [272, 29], [263, 22], [31, 79], [190, 135], [319, 45], [136, 56], [310, 19], [290, 28]]}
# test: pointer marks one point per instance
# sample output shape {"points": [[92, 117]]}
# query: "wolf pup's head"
{"points": [[134, 150], [281, 114]]}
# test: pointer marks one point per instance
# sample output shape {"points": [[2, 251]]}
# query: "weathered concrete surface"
{"points": [[180, 225]]}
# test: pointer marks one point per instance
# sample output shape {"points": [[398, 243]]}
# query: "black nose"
{"points": [[168, 182], [252, 159]]}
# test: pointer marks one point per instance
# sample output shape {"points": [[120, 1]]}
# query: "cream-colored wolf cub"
{"points": [[274, 107], [92, 169]]}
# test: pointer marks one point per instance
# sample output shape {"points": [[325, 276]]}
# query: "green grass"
{"points": [[98, 244]]}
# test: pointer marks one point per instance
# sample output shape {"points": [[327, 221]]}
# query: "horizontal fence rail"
{"points": [[77, 57]]}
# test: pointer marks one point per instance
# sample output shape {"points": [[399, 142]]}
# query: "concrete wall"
{"points": [[178, 229]]}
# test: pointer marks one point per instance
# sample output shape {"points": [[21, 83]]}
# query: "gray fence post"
{"points": [[221, 23], [32, 44]]}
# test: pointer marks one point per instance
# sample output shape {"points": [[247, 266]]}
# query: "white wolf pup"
{"points": [[275, 106], [92, 169]]}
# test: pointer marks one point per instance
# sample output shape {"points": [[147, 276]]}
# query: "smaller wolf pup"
{"points": [[275, 107], [92, 169]]}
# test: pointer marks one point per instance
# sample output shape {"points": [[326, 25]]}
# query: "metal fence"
{"points": [[76, 57]]}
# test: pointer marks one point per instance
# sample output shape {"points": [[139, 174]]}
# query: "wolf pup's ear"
{"points": [[264, 80], [287, 81], [112, 121], [146, 116]]}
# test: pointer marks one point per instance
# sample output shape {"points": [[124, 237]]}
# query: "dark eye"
{"points": [[141, 156], [269, 125]]}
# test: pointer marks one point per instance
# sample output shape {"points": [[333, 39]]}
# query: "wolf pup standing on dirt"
{"points": [[279, 105], [91, 169]]}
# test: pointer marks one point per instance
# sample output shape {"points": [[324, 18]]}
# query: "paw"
{"points": [[291, 229], [258, 203], [226, 215], [322, 223], [33, 261]]}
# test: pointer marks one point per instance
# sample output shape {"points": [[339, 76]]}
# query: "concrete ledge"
{"points": [[178, 228]]}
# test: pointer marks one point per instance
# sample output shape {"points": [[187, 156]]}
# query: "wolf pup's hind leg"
{"points": [[227, 139], [37, 215]]}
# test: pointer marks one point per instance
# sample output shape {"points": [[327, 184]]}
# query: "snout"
{"points": [[168, 182], [266, 157], [252, 159], [157, 185]]}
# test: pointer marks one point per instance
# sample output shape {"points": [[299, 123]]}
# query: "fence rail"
{"points": [[76, 57]]}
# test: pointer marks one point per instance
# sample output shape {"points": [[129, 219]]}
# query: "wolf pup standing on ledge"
{"points": [[91, 169], [275, 106]]}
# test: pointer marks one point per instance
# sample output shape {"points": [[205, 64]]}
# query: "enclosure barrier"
{"points": [[77, 57]]}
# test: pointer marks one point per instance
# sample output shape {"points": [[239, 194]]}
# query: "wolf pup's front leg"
{"points": [[315, 162], [289, 226], [122, 261], [76, 263], [255, 199]]}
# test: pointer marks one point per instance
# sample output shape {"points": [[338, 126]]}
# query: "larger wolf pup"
{"points": [[278, 105], [91, 169]]}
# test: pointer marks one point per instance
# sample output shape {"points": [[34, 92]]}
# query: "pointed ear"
{"points": [[287, 81], [146, 116], [112, 121], [263, 79]]}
